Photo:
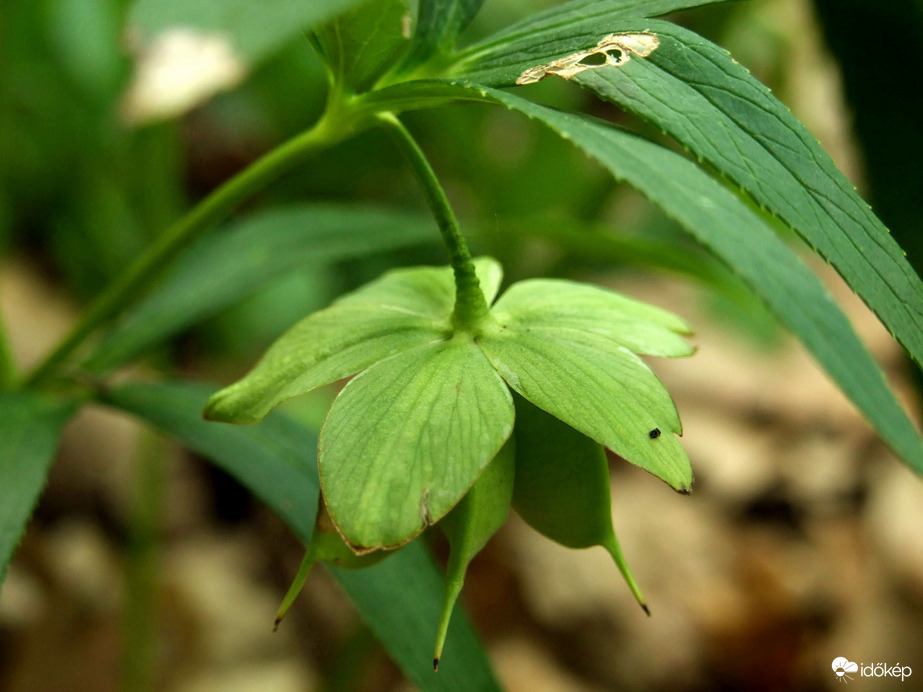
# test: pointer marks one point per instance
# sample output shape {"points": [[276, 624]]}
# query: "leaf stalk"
{"points": [[470, 306]]}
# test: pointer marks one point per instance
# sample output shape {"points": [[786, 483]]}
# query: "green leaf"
{"points": [[248, 256], [695, 91], [719, 220], [562, 486], [254, 29], [596, 386], [276, 461], [737, 236], [439, 22], [407, 438], [555, 33], [601, 243], [470, 524], [640, 327], [400, 599], [403, 309], [362, 43], [29, 430]]}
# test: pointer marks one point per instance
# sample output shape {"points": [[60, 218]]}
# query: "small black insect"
{"points": [[654, 434]]}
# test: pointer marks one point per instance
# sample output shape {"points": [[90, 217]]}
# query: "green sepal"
{"points": [[395, 313], [562, 486], [595, 385], [405, 440], [327, 546], [471, 524], [638, 326]]}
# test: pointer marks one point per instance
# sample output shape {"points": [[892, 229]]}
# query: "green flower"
{"points": [[431, 404]]}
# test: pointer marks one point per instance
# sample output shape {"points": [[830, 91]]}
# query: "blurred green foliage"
{"points": [[83, 193]]}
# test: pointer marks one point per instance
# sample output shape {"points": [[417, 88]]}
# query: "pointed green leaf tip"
{"points": [[326, 546], [406, 439], [471, 524]]}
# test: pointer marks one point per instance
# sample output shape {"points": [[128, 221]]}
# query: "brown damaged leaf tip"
{"points": [[613, 50], [435, 665]]}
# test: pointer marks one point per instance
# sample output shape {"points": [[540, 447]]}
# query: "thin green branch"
{"points": [[470, 306], [7, 364], [127, 287]]}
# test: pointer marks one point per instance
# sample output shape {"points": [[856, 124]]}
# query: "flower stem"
{"points": [[470, 305], [125, 288], [7, 364]]}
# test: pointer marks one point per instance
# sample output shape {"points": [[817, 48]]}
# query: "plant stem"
{"points": [[125, 288], [7, 364], [470, 306], [140, 650]]}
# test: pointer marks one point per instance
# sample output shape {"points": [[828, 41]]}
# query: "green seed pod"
{"points": [[326, 546], [562, 486], [470, 525]]}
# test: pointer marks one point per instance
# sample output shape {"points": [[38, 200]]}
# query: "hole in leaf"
{"points": [[594, 59], [615, 54]]}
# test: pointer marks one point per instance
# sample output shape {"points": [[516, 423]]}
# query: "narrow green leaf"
{"points": [[400, 599], [731, 231], [255, 29], [276, 461], [248, 256], [470, 524], [403, 309], [361, 44], [407, 438], [596, 386], [555, 33], [601, 243], [29, 430], [439, 22], [737, 236], [640, 327], [562, 486], [696, 92]]}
